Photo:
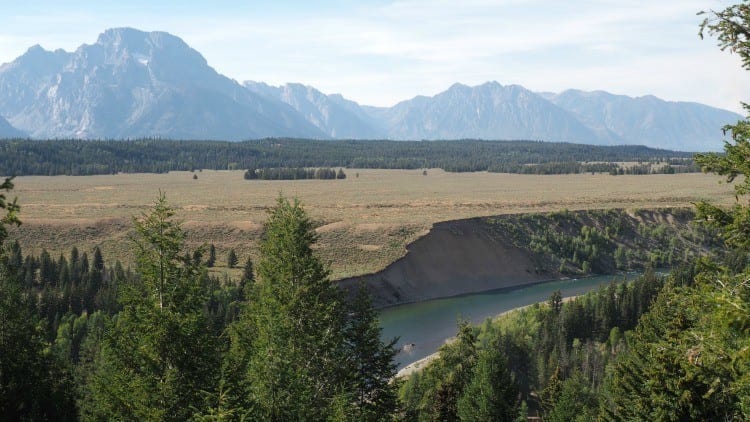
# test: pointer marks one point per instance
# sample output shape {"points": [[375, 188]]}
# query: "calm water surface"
{"points": [[428, 324]]}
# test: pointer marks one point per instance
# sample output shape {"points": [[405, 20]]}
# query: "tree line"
{"points": [[81, 157], [299, 173]]}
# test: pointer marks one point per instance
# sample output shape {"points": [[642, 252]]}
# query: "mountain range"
{"points": [[152, 84]]}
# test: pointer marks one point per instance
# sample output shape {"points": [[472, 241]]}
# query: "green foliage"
{"points": [[211, 261], [492, 393], [574, 401], [153, 344], [158, 355], [10, 208], [248, 274], [542, 347], [33, 383], [604, 241], [435, 394], [730, 26], [298, 351], [688, 357], [371, 361], [677, 369], [232, 259], [77, 157]]}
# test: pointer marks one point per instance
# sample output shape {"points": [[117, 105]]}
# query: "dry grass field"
{"points": [[364, 222]]}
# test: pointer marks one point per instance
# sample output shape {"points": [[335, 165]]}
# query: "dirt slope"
{"points": [[455, 257], [479, 254]]}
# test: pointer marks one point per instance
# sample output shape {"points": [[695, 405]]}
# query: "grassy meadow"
{"points": [[364, 221]]}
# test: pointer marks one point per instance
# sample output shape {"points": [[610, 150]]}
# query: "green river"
{"points": [[424, 326]]}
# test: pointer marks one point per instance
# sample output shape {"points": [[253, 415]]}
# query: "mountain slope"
{"points": [[649, 120], [336, 116], [488, 111], [152, 84], [7, 131], [132, 83]]}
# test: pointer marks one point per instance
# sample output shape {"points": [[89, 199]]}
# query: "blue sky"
{"points": [[380, 52]]}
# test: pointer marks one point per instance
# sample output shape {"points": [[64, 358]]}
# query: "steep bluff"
{"points": [[455, 257], [480, 254]]}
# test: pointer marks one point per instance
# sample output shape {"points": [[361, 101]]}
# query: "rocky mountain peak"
{"points": [[133, 83]]}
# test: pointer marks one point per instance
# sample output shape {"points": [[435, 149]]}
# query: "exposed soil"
{"points": [[455, 257]]}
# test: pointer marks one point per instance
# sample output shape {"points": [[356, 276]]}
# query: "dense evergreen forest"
{"points": [[77, 157], [528, 354]]}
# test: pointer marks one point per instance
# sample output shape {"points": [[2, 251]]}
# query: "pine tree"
{"points": [[158, 357], [575, 401], [232, 259], [492, 393], [197, 256], [453, 373], [248, 273], [211, 256], [373, 367], [289, 340], [98, 259], [688, 357]]}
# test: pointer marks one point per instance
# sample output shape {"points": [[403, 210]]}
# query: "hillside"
{"points": [[474, 255]]}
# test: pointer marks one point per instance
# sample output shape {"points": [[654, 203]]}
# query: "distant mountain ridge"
{"points": [[648, 120], [487, 111], [133, 84]]}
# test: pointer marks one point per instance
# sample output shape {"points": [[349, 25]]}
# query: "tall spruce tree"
{"points": [[158, 358], [289, 341], [372, 363], [248, 276], [232, 259], [300, 351], [211, 256]]}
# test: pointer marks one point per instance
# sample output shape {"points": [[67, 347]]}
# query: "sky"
{"points": [[380, 52]]}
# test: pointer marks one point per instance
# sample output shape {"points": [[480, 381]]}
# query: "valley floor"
{"points": [[365, 221]]}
